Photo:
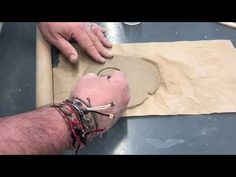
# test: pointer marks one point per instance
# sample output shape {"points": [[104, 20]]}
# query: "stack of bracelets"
{"points": [[81, 120]]}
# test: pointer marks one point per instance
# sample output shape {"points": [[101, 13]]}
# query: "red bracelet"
{"points": [[81, 120], [71, 123]]}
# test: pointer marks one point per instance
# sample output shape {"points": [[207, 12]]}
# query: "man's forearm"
{"points": [[38, 132]]}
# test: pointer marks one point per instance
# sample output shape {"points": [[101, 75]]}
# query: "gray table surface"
{"points": [[202, 134]]}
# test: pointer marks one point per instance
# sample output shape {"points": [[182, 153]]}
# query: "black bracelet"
{"points": [[81, 120]]}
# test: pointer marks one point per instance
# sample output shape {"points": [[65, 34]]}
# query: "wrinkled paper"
{"points": [[197, 77]]}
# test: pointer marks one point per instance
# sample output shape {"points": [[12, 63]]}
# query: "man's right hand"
{"points": [[103, 90]]}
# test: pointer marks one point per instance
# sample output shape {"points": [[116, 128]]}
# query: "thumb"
{"points": [[67, 49]]}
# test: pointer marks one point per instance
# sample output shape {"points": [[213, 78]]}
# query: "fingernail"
{"points": [[110, 43], [109, 53], [73, 58], [102, 60]]}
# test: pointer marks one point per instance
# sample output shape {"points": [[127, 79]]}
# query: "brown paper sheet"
{"points": [[229, 24], [197, 77], [44, 85]]}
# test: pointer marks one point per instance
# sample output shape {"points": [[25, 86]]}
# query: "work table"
{"points": [[198, 134]]}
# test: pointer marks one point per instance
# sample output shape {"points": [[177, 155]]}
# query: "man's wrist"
{"points": [[61, 125], [79, 122]]}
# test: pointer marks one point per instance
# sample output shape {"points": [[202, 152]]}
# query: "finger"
{"points": [[102, 38], [100, 48], [118, 74], [99, 27], [66, 49], [85, 78], [87, 44], [90, 75]]}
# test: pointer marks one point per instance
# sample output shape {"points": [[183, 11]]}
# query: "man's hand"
{"points": [[45, 132], [90, 37], [103, 90]]}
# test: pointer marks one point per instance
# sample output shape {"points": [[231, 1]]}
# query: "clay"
{"points": [[142, 75]]}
